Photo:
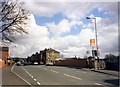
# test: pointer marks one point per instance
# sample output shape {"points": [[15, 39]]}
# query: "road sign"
{"points": [[92, 42], [94, 52]]}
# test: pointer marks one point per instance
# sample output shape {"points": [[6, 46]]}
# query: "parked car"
{"points": [[18, 63], [25, 63], [49, 64], [35, 63]]}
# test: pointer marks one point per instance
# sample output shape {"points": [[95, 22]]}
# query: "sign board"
{"points": [[92, 42], [94, 53]]}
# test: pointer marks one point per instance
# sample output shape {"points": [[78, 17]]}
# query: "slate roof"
{"points": [[4, 48], [51, 50]]}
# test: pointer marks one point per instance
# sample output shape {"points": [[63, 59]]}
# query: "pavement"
{"points": [[109, 72]]}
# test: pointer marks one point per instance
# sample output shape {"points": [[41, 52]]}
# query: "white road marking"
{"points": [[45, 69], [97, 84], [114, 77], [100, 75], [36, 66], [26, 71], [85, 69], [38, 83], [92, 73], [20, 76], [34, 79], [73, 77], [54, 71], [84, 72], [57, 67], [31, 76]]}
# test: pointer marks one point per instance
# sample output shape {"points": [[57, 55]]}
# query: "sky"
{"points": [[62, 25]]}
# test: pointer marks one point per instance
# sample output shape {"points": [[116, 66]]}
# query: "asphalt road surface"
{"points": [[9, 79], [36, 75]]}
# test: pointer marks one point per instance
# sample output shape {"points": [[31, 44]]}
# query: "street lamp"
{"points": [[96, 39]]}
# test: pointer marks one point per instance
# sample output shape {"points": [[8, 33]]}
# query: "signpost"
{"points": [[92, 42], [96, 40]]}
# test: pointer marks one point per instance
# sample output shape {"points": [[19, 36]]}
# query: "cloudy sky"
{"points": [[63, 26]]}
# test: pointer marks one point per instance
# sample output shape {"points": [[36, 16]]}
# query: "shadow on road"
{"points": [[113, 81], [75, 67]]}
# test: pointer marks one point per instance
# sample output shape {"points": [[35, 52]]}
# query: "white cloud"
{"points": [[86, 35], [44, 8], [64, 26], [70, 45], [75, 51], [72, 10], [38, 38], [108, 38], [35, 40]]}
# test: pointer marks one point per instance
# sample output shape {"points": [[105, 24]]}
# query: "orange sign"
{"points": [[92, 42]]}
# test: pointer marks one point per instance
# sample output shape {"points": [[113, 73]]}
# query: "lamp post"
{"points": [[96, 39]]}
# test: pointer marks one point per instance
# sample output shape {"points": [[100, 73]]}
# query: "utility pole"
{"points": [[96, 40]]}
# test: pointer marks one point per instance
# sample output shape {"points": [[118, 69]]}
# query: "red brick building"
{"points": [[4, 56]]}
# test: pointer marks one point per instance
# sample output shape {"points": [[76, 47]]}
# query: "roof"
{"points": [[51, 50], [4, 48]]}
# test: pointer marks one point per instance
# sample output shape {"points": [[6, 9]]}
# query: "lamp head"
{"points": [[88, 18]]}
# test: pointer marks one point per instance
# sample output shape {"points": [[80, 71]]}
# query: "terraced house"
{"points": [[50, 56]]}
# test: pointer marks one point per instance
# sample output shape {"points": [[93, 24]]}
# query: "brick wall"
{"points": [[4, 53], [76, 62], [1, 63]]}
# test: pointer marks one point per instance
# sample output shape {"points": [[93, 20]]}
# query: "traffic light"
{"points": [[94, 52]]}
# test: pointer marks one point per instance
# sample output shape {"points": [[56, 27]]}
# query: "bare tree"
{"points": [[13, 19]]}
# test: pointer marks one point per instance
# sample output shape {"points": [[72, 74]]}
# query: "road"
{"points": [[9, 79], [55, 75]]}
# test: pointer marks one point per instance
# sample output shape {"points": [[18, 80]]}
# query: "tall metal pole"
{"points": [[96, 43], [96, 40]]}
